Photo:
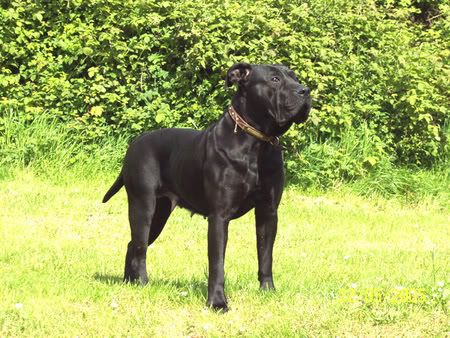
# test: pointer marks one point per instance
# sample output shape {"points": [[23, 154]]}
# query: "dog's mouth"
{"points": [[296, 114], [303, 113]]}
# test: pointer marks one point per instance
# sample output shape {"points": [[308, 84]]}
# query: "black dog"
{"points": [[222, 172]]}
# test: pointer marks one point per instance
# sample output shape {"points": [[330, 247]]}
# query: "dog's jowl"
{"points": [[222, 172]]}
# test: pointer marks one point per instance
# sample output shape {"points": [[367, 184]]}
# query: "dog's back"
{"points": [[168, 160]]}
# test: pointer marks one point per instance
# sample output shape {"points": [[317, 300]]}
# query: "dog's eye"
{"points": [[275, 79]]}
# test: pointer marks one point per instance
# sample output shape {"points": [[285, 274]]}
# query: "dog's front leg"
{"points": [[266, 230], [217, 242]]}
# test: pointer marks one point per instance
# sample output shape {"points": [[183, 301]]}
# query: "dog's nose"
{"points": [[304, 91]]}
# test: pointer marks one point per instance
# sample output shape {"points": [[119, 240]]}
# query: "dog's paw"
{"points": [[137, 280], [217, 299], [267, 285], [220, 306]]}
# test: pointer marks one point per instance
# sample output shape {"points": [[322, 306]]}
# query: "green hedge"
{"points": [[381, 67]]}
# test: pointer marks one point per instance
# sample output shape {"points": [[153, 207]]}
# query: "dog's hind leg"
{"points": [[163, 209], [141, 211]]}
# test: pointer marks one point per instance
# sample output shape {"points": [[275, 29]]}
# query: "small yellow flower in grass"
{"points": [[114, 305], [18, 306]]}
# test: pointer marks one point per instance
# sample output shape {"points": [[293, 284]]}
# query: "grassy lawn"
{"points": [[343, 265]]}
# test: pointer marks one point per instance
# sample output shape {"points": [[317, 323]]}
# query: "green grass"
{"points": [[62, 256], [51, 148], [346, 259]]}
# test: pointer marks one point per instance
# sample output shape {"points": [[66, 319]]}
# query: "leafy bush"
{"points": [[126, 66]]}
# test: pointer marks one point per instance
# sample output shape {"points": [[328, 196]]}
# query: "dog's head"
{"points": [[272, 90]]}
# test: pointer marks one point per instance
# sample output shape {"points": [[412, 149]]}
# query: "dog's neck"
{"points": [[249, 129], [240, 103], [259, 119]]}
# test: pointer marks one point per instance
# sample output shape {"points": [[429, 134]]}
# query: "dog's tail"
{"points": [[114, 188]]}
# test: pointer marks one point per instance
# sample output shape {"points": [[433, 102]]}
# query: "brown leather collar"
{"points": [[239, 121]]}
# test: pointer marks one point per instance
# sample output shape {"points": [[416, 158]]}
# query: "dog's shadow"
{"points": [[108, 279], [193, 286]]}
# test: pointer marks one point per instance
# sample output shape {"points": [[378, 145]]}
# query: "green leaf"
{"points": [[39, 16], [96, 111], [160, 118], [92, 71], [412, 100], [371, 160], [87, 51]]}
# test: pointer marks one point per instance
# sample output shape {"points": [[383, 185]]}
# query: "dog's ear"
{"points": [[238, 73]]}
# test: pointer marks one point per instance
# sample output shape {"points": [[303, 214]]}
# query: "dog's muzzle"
{"points": [[298, 107], [303, 112]]}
